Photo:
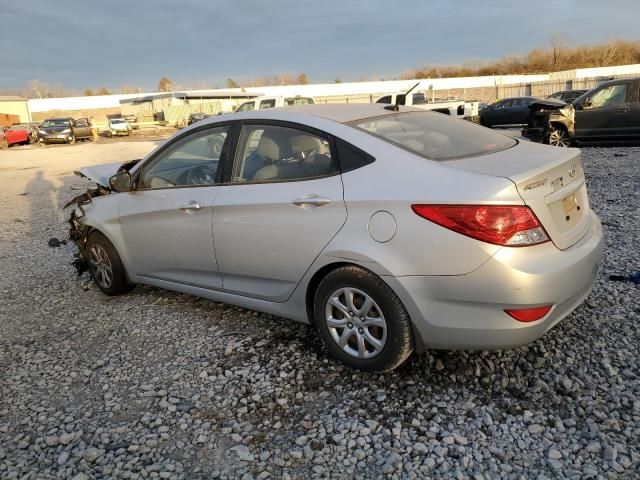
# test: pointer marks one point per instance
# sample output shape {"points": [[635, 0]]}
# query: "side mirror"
{"points": [[121, 182]]}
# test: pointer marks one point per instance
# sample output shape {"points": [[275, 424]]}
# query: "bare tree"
{"points": [[231, 83], [559, 44], [103, 91], [88, 92], [165, 85], [303, 79], [38, 89]]}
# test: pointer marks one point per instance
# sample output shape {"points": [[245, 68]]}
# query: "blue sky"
{"points": [[113, 43]]}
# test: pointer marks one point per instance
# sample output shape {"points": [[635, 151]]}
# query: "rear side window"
{"points": [[419, 99], [265, 104], [435, 136], [351, 157], [298, 101], [270, 153]]}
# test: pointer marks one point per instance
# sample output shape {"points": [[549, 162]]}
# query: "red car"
{"points": [[11, 136]]}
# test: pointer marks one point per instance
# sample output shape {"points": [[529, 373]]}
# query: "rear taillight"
{"points": [[508, 225], [528, 314]]}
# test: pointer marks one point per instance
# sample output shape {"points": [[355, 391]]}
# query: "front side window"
{"points": [[268, 153], [81, 122], [611, 95], [434, 136], [190, 161], [245, 107], [385, 99], [265, 104]]}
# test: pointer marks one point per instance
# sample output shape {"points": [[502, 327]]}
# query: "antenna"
{"points": [[395, 107]]}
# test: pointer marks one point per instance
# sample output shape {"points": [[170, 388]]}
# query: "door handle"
{"points": [[311, 200], [622, 110], [191, 207]]}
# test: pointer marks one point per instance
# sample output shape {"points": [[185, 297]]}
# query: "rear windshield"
{"points": [[434, 135]]}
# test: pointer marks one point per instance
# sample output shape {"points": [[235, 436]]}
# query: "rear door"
{"points": [[505, 114], [634, 113], [167, 221], [605, 115], [522, 111], [282, 204]]}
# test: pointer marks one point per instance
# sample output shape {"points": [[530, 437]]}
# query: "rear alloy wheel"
{"points": [[105, 265], [559, 137], [361, 320]]}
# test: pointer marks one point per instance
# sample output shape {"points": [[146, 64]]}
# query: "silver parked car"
{"points": [[392, 230]]}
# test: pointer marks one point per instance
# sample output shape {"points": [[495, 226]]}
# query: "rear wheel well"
{"points": [[313, 286]]}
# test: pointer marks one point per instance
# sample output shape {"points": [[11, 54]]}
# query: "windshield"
{"points": [[435, 136], [56, 122], [117, 120]]}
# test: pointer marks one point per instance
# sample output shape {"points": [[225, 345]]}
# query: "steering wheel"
{"points": [[200, 175]]}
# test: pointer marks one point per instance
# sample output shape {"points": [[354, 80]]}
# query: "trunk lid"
{"points": [[550, 181]]}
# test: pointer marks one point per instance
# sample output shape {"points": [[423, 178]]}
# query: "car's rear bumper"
{"points": [[467, 311]]}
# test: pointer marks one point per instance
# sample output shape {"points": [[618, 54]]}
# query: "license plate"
{"points": [[569, 203]]}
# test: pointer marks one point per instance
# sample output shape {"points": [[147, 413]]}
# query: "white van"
{"points": [[263, 103]]}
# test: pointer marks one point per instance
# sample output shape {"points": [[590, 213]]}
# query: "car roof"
{"points": [[344, 112]]}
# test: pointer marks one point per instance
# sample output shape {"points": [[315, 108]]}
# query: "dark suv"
{"points": [[64, 130], [609, 113]]}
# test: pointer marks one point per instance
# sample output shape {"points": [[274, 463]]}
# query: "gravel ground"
{"points": [[157, 384]]}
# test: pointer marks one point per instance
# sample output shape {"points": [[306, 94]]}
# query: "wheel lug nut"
{"points": [[351, 314], [350, 325], [361, 330]]}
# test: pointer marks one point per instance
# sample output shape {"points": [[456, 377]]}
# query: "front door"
{"points": [[604, 115], [167, 221], [282, 206]]}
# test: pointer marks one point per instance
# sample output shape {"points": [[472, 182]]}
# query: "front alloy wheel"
{"points": [[559, 137], [105, 266], [100, 266]]}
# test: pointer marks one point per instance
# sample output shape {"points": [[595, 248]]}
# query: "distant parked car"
{"points": [[118, 126], [64, 130], [567, 96], [30, 128], [510, 112], [196, 117], [10, 137], [610, 113]]}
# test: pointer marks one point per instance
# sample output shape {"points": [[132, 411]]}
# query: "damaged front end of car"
{"points": [[551, 122], [78, 230]]}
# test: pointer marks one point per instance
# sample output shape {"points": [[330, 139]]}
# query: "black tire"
{"points": [[118, 283], [558, 136], [399, 342]]}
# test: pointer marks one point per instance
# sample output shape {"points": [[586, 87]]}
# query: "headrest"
{"points": [[268, 148]]}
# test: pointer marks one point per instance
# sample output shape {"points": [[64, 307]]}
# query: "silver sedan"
{"points": [[391, 230]]}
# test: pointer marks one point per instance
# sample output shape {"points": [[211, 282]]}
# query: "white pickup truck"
{"points": [[468, 110], [262, 103]]}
